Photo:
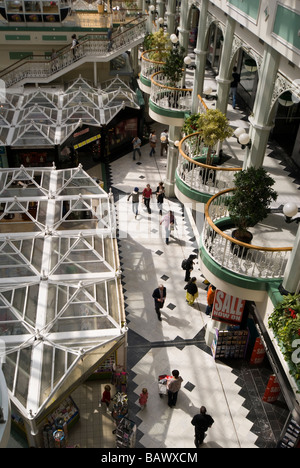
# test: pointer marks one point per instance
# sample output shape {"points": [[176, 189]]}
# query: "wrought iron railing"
{"points": [[199, 176], [90, 45], [244, 259], [169, 97]]}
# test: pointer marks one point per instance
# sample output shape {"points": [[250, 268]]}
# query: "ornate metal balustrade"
{"points": [[198, 175], [169, 97], [149, 66], [90, 46], [244, 259]]}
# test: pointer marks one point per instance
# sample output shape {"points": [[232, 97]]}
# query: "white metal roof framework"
{"points": [[44, 118], [60, 294]]}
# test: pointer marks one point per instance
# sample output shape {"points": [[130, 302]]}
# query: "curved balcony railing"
{"points": [[197, 175], [169, 97], [244, 259], [90, 46], [149, 66]]}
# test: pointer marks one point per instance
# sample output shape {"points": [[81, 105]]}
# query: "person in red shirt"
{"points": [[106, 397], [147, 194]]}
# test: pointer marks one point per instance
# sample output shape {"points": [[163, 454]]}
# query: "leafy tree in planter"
{"points": [[251, 200], [159, 43], [173, 67], [214, 127]]}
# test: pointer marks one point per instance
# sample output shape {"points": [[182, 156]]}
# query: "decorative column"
{"points": [[151, 15], [200, 52], [263, 111], [184, 24], [172, 160], [161, 8], [224, 77], [171, 12], [291, 280]]}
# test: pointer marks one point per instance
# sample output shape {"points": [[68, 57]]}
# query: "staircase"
{"points": [[93, 47]]}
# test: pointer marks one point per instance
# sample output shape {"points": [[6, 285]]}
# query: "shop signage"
{"points": [[82, 132], [227, 308], [258, 353], [272, 391], [86, 142]]}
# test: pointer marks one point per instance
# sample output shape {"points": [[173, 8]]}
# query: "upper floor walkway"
{"points": [[92, 47]]}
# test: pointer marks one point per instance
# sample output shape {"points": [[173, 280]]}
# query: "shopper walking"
{"points": [[143, 398], [106, 397], [169, 222], [152, 141], [164, 141], [147, 194], [173, 387], [202, 422], [191, 291], [189, 266], [234, 85], [135, 195], [160, 196], [74, 45], [210, 299], [159, 295], [136, 142]]}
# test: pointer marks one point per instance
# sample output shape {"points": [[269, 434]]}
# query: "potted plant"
{"points": [[160, 45], [173, 67], [214, 128], [251, 200], [285, 322], [190, 124]]}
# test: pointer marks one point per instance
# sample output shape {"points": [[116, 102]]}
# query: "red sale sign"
{"points": [[227, 308]]}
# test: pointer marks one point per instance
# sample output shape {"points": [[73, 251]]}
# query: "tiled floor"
{"points": [[231, 391]]}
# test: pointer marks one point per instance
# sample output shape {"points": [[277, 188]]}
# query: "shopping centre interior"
{"points": [[78, 267]]}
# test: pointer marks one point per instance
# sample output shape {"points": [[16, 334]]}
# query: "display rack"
{"points": [[291, 435], [126, 434], [58, 423], [230, 344]]}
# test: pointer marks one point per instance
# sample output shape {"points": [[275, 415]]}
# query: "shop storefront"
{"points": [[239, 335], [59, 126], [62, 309]]}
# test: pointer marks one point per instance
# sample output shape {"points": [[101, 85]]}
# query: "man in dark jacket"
{"points": [[189, 267], [159, 295], [201, 422]]}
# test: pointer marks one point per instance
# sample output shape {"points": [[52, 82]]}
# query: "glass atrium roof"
{"points": [[60, 292], [44, 118]]}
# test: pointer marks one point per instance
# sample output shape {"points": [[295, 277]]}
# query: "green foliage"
{"points": [[190, 124], [159, 41], [251, 200], [214, 127], [173, 67], [285, 322]]}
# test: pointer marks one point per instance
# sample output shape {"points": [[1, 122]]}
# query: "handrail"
{"points": [[202, 103], [231, 239], [50, 63], [236, 256], [143, 57], [172, 88], [198, 163]]}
